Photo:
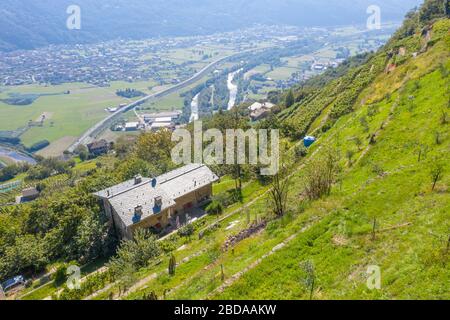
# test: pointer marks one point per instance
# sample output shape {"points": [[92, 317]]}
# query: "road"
{"points": [[90, 134]]}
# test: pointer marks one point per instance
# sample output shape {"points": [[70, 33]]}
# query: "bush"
{"points": [[228, 198], [215, 207], [186, 231], [300, 151], [60, 274], [135, 254]]}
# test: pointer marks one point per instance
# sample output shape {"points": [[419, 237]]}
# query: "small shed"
{"points": [[131, 126], [28, 195], [308, 141]]}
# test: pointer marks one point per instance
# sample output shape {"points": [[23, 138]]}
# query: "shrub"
{"points": [[60, 274], [215, 207], [300, 151], [186, 231]]}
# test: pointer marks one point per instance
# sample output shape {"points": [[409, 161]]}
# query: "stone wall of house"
{"points": [[119, 225], [151, 221], [192, 199]]}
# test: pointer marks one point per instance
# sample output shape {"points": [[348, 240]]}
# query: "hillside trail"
{"points": [[143, 282], [284, 243], [385, 122], [230, 281], [274, 249]]}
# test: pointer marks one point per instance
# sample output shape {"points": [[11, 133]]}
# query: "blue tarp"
{"points": [[308, 141]]}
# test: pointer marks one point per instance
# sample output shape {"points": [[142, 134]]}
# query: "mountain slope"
{"points": [[386, 182], [397, 133], [392, 139], [28, 24]]}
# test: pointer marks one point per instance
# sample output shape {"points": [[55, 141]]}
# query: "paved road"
{"points": [[90, 134]]}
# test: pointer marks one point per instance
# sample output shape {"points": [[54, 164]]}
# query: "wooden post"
{"points": [[374, 227], [222, 273]]}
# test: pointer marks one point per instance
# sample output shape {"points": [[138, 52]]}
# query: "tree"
{"points": [[124, 146], [135, 166], [436, 172], [150, 297], [290, 99], [358, 142], [134, 254], [321, 175], [156, 148], [82, 152], [278, 192], [215, 207], [349, 154], [172, 265]]}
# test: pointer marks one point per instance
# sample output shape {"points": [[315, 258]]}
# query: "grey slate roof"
{"points": [[184, 180], [125, 197], [125, 203]]}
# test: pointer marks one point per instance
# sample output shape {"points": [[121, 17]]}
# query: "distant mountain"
{"points": [[28, 24]]}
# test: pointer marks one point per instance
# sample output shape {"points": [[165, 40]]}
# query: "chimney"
{"points": [[137, 179], [137, 214], [138, 211], [158, 201]]}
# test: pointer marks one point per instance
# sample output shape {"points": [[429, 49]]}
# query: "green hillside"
{"points": [[390, 132], [372, 192]]}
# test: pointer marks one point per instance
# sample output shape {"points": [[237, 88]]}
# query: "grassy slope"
{"points": [[335, 232], [410, 255]]}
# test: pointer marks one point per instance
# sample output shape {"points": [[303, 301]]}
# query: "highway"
{"points": [[90, 134]]}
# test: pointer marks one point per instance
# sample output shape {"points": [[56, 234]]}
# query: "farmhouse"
{"points": [[99, 147], [260, 110], [155, 204]]}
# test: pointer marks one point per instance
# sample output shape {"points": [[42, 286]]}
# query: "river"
{"points": [[16, 156], [233, 88]]}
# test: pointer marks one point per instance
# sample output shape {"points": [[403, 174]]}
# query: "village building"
{"points": [[259, 110], [156, 126], [156, 203], [98, 148], [28, 195], [169, 116], [132, 126]]}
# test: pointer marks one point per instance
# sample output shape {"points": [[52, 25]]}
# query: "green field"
{"points": [[67, 115]]}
